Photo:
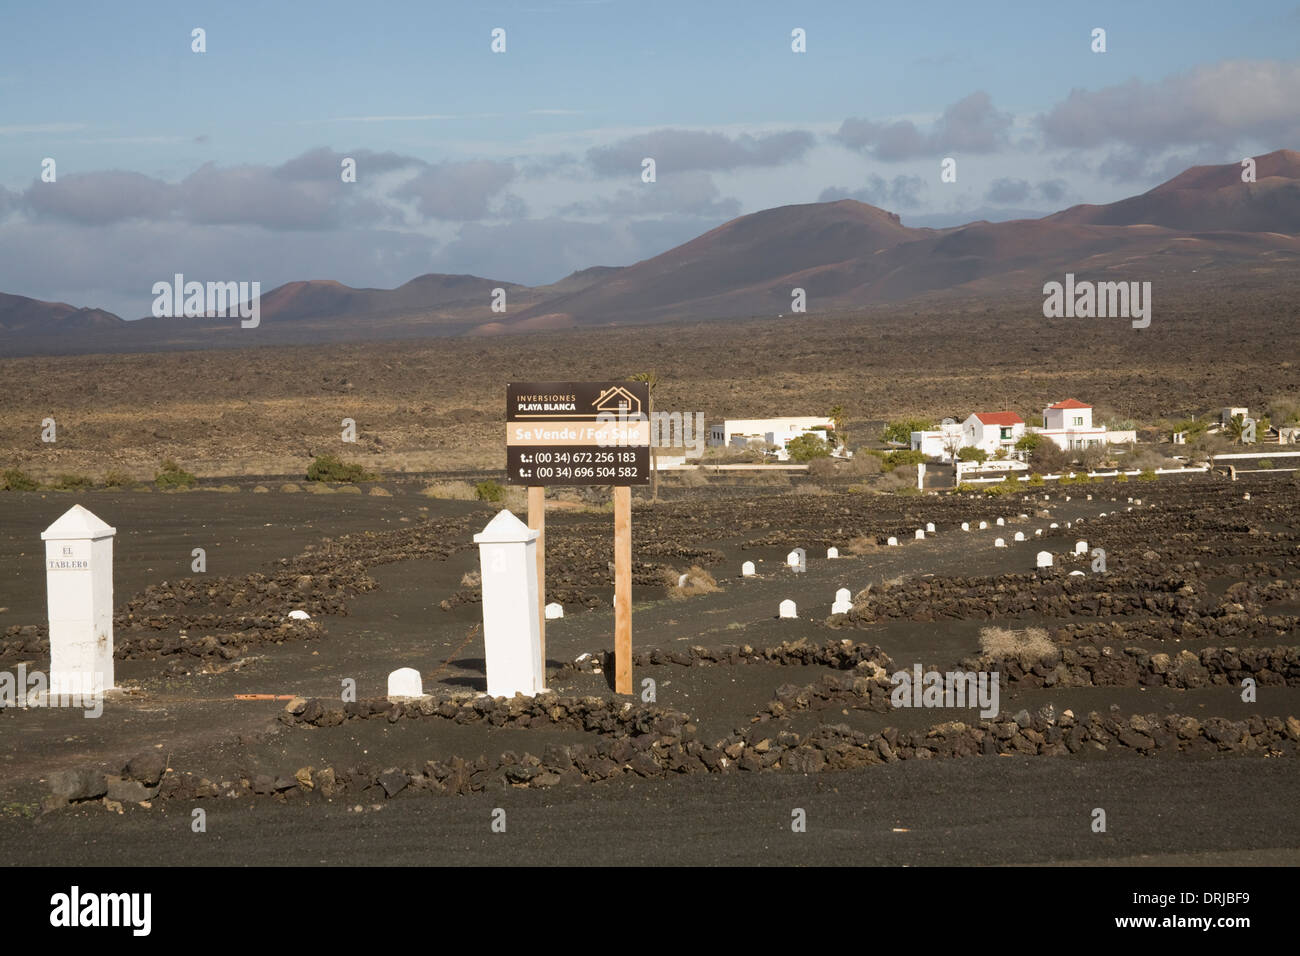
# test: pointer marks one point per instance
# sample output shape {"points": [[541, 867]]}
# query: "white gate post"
{"points": [[79, 591], [511, 630]]}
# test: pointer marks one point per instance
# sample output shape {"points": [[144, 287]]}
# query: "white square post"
{"points": [[79, 592], [512, 638]]}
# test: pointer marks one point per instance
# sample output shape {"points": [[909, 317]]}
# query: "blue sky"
{"points": [[524, 166]]}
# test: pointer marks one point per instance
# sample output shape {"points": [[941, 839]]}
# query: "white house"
{"points": [[939, 443], [739, 432], [1069, 426], [992, 431]]}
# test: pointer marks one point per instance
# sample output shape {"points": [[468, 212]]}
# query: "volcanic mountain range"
{"points": [[843, 254]]}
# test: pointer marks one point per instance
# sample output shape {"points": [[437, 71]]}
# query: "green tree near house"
{"points": [[807, 447], [901, 431]]}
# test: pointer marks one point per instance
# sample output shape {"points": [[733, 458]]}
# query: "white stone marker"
{"points": [[507, 550], [1044, 559], [554, 611], [1130, 501], [892, 542], [792, 559], [681, 580], [965, 526], [1245, 497], [1020, 536], [929, 527], [1090, 497], [1081, 547], [832, 552], [1001, 522], [747, 569], [405, 682], [983, 525], [79, 591], [920, 534], [999, 543], [1102, 515], [1067, 497], [843, 602], [1137, 501], [299, 615], [1038, 532], [1076, 574], [1054, 525], [788, 609]]}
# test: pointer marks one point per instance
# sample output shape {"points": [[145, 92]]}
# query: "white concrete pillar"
{"points": [[405, 682], [920, 476], [512, 642], [79, 592]]}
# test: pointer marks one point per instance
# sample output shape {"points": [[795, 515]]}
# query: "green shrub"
{"points": [[330, 468], [1148, 474], [1121, 477], [1066, 480], [118, 479], [1036, 479], [1029, 441], [11, 479], [1266, 463], [807, 447], [901, 431], [903, 456], [489, 491], [72, 483], [967, 488], [173, 475], [973, 454]]}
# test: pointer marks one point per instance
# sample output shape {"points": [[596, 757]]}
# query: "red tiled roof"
{"points": [[999, 418], [1070, 403]]}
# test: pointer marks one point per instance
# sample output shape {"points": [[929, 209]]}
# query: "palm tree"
{"points": [[651, 380], [836, 415]]}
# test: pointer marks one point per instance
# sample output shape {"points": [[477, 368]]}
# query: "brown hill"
{"points": [[18, 313], [1210, 198]]}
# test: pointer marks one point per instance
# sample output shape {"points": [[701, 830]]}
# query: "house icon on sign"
{"points": [[616, 398]]}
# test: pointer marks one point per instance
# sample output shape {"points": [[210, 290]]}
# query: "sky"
{"points": [[527, 164]]}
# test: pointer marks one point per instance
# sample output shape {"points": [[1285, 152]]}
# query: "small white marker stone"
{"points": [[999, 543], [965, 526], [832, 552], [1020, 536], [1044, 559], [929, 527], [747, 569], [788, 609], [1076, 574], [1081, 547], [299, 616], [405, 682], [1001, 522], [983, 525], [555, 610], [920, 534], [892, 542]]}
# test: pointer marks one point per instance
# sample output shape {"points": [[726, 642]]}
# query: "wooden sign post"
{"points": [[582, 433], [537, 521]]}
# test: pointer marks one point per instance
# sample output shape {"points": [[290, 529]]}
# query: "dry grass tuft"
{"points": [[698, 581], [1029, 645]]}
